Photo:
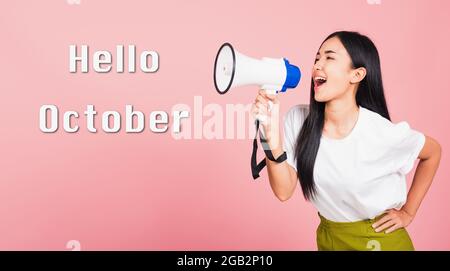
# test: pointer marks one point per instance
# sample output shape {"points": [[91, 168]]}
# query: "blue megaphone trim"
{"points": [[293, 75]]}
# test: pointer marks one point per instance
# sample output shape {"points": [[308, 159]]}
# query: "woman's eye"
{"points": [[328, 57]]}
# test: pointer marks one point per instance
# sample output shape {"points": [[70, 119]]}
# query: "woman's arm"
{"points": [[282, 177], [426, 169]]}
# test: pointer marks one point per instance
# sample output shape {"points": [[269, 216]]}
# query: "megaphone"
{"points": [[233, 69]]}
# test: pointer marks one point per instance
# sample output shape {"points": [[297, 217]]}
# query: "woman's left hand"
{"points": [[393, 220]]}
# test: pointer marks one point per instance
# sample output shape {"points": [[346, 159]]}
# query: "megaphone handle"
{"points": [[271, 92], [263, 118]]}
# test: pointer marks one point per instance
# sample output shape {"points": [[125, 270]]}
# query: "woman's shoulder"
{"points": [[299, 111], [295, 117], [396, 144], [383, 127], [378, 121]]}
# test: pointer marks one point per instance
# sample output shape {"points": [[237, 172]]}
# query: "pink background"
{"points": [[151, 192]]}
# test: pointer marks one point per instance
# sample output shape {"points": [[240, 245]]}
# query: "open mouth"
{"points": [[319, 81]]}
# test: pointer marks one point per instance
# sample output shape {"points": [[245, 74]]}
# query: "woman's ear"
{"points": [[358, 75]]}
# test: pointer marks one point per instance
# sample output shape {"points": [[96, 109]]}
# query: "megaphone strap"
{"points": [[256, 168]]}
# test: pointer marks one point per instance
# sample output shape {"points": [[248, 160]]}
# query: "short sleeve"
{"points": [[406, 146], [293, 122]]}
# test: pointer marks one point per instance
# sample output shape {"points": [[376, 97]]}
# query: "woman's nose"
{"points": [[317, 66]]}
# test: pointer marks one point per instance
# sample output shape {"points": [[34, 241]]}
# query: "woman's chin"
{"points": [[320, 98]]}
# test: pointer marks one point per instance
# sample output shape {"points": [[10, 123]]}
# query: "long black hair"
{"points": [[370, 94]]}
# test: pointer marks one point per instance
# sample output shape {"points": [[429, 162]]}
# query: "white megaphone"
{"points": [[233, 69]]}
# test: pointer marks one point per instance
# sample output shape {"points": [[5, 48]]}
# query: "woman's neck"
{"points": [[340, 117]]}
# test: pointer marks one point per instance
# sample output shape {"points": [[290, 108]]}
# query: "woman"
{"points": [[350, 159]]}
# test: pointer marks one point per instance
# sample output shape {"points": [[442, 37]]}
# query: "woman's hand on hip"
{"points": [[393, 220]]}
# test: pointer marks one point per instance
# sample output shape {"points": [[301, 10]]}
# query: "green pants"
{"points": [[359, 236]]}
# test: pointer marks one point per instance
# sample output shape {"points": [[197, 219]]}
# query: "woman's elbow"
{"points": [[284, 197]]}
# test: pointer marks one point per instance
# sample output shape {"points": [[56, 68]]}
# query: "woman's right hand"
{"points": [[270, 116], [282, 177]]}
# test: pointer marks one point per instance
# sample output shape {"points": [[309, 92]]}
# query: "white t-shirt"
{"points": [[362, 175]]}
